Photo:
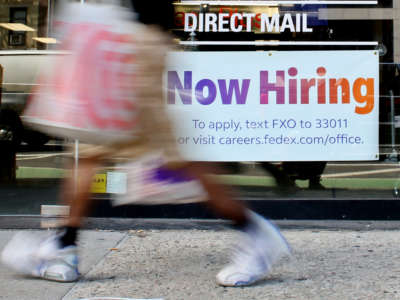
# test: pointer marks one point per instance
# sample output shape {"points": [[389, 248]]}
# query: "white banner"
{"points": [[275, 106]]}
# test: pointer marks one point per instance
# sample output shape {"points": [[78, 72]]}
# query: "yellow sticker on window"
{"points": [[99, 184]]}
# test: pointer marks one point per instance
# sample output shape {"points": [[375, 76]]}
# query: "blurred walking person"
{"points": [[56, 258]]}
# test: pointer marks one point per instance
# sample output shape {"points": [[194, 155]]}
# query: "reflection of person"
{"points": [[56, 257], [306, 170], [287, 172], [284, 183]]}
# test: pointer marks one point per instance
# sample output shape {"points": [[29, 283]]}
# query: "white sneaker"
{"points": [[261, 248], [32, 255]]}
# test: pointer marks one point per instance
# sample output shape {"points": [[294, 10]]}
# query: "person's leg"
{"points": [[58, 253], [283, 180], [314, 183], [75, 193], [220, 198], [55, 257], [261, 246], [315, 177]]}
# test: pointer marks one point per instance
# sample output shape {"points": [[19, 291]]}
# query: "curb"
{"points": [[17, 222]]}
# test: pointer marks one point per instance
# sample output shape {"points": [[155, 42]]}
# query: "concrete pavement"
{"points": [[94, 247], [360, 261]]}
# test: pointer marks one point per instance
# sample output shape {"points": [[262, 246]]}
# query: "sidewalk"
{"points": [[330, 262]]}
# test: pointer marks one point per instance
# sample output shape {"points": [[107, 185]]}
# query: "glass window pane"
{"points": [[27, 34]]}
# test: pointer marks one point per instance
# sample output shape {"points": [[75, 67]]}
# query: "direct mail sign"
{"points": [[275, 106]]}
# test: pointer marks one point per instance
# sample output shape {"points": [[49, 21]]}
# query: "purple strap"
{"points": [[173, 176]]}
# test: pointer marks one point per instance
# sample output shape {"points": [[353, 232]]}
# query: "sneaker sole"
{"points": [[56, 279], [242, 283]]}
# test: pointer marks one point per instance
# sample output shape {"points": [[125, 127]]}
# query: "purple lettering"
{"points": [[184, 92], [241, 95], [212, 91]]}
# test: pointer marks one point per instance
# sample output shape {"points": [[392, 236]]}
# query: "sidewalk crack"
{"points": [[117, 244]]}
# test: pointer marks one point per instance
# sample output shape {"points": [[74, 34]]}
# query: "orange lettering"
{"points": [[368, 98]]}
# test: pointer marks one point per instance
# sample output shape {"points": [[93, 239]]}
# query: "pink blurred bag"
{"points": [[87, 93]]}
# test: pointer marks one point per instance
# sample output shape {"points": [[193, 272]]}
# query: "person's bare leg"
{"points": [[263, 245], [77, 196], [58, 253], [220, 199]]}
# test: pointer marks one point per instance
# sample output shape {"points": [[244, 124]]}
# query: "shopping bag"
{"points": [[150, 182], [87, 92]]}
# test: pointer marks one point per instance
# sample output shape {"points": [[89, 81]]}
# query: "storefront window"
{"points": [[277, 59], [31, 162], [298, 100]]}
